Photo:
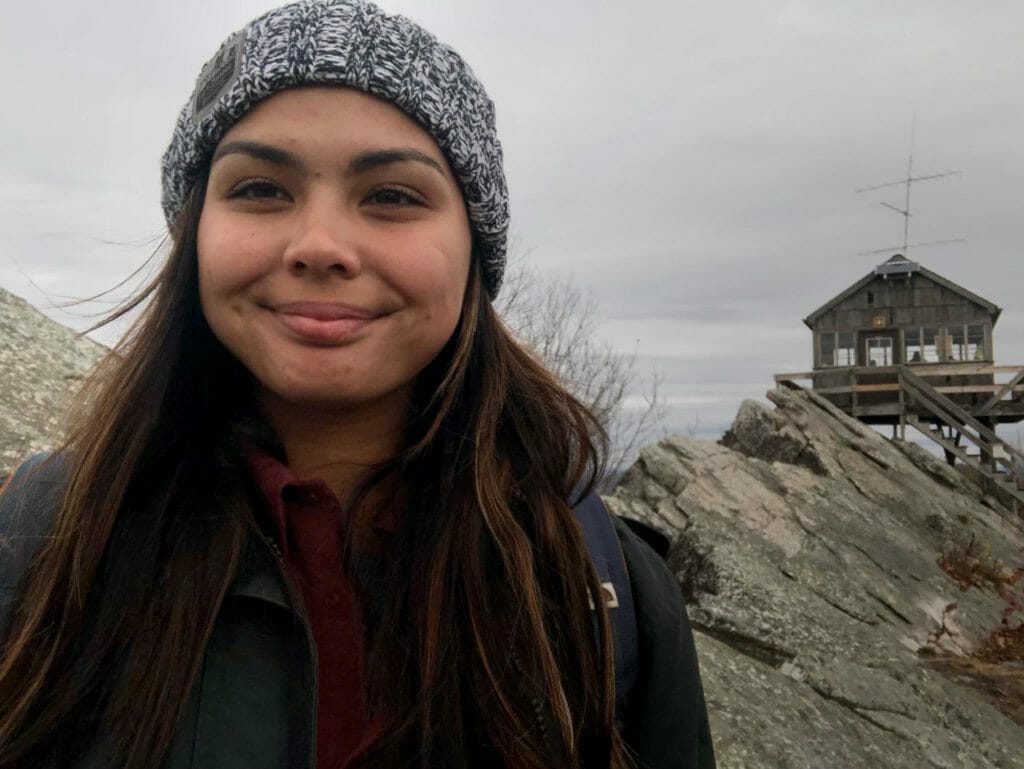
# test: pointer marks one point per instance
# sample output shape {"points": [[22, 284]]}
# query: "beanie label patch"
{"points": [[218, 75]]}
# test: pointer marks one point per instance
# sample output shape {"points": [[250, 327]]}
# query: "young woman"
{"points": [[316, 509]]}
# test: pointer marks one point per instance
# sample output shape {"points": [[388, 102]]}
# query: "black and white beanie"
{"points": [[353, 43]]}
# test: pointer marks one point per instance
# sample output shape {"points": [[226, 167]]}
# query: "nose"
{"points": [[319, 245]]}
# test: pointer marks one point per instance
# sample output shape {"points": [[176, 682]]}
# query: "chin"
{"points": [[329, 397]]}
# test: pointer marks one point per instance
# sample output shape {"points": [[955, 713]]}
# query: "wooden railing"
{"points": [[999, 390], [1013, 386], [921, 369]]}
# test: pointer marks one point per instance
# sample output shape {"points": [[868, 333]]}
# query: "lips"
{"points": [[323, 323]]}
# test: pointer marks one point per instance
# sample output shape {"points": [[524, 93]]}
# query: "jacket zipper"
{"points": [[301, 615]]}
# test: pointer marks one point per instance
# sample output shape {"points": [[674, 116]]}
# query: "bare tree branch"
{"points": [[558, 320]]}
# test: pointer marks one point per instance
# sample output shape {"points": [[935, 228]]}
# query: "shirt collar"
{"points": [[273, 478]]}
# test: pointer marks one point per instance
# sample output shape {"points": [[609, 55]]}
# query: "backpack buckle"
{"points": [[611, 598]]}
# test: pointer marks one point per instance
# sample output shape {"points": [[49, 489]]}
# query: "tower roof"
{"points": [[898, 265]]}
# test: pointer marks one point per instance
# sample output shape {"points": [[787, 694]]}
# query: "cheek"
{"points": [[436, 270], [206, 256], [437, 286], [229, 257], [432, 282]]}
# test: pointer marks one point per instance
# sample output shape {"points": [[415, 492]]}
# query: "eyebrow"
{"points": [[360, 164], [368, 161], [260, 151]]}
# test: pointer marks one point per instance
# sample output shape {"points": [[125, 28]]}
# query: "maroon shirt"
{"points": [[309, 521]]}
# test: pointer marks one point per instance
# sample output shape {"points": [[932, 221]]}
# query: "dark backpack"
{"points": [[606, 553]]}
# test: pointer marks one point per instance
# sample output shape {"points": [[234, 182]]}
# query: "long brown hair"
{"points": [[482, 646]]}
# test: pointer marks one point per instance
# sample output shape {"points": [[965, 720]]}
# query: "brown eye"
{"points": [[393, 196], [258, 189]]}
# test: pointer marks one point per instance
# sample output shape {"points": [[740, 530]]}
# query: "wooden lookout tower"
{"points": [[906, 346]]}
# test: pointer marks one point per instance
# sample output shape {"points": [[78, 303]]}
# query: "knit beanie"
{"points": [[352, 43]]}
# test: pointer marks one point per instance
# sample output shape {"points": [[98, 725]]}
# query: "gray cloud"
{"points": [[692, 164]]}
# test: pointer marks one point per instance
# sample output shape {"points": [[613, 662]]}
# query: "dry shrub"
{"points": [[1006, 643], [972, 564]]}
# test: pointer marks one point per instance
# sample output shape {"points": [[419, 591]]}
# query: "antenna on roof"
{"points": [[905, 211], [890, 249]]}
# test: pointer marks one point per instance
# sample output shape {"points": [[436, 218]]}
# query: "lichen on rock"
{"points": [[42, 364]]}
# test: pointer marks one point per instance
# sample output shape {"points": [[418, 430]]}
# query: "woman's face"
{"points": [[334, 247]]}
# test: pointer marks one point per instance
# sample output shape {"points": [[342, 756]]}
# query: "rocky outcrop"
{"points": [[41, 365], [808, 547]]}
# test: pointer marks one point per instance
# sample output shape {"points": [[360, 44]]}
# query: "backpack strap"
{"points": [[606, 554], [28, 502]]}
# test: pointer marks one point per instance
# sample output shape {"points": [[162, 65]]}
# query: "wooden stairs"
{"points": [[964, 436]]}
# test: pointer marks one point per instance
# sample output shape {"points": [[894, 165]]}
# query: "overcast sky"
{"points": [[691, 164]]}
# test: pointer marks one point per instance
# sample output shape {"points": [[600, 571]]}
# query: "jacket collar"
{"points": [[260, 573]]}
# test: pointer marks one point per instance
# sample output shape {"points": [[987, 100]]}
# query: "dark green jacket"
{"points": [[254, 703]]}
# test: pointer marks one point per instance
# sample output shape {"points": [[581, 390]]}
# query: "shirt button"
{"points": [[334, 597]]}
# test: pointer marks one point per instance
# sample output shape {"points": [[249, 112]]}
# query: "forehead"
{"points": [[335, 118]]}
